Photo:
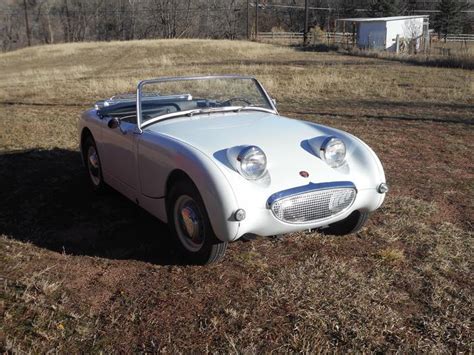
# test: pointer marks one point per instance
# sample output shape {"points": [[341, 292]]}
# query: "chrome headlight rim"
{"points": [[326, 147], [243, 158]]}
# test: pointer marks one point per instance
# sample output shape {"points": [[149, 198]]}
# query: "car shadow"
{"points": [[46, 200]]}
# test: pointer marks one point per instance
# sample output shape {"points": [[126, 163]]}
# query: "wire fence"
{"points": [[444, 45], [340, 37]]}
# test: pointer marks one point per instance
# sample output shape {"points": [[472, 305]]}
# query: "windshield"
{"points": [[200, 95]]}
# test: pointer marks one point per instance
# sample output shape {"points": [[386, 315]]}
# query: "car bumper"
{"points": [[262, 221]]}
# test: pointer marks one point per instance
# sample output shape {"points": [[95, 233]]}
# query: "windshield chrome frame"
{"points": [[203, 111], [142, 83]]}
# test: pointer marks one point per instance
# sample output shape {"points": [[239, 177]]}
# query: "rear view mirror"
{"points": [[113, 123]]}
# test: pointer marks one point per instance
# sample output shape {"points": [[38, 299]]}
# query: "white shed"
{"points": [[381, 32]]}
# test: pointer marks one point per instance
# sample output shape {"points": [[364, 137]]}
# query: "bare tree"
{"points": [[52, 21]]}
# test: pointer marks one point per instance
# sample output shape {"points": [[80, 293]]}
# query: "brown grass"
{"points": [[459, 59], [82, 273]]}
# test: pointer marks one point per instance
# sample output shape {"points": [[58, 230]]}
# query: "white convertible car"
{"points": [[212, 157]]}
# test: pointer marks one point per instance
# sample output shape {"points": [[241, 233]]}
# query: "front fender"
{"points": [[366, 169], [160, 155], [89, 123]]}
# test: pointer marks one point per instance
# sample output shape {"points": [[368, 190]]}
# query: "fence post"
{"points": [[256, 20], [343, 31], [306, 23], [353, 34]]}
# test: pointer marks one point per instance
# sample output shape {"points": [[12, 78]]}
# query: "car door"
{"points": [[119, 153]]}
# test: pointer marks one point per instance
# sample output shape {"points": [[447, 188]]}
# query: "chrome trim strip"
{"points": [[194, 77], [308, 188], [265, 93], [139, 106]]}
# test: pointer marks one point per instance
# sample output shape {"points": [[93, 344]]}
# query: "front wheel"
{"points": [[351, 224], [189, 222], [93, 165]]}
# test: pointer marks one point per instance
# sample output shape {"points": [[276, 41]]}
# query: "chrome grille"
{"points": [[313, 205]]}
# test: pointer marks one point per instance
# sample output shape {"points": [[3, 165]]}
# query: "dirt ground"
{"points": [[83, 273]]}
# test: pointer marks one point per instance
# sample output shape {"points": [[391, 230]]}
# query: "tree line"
{"points": [[34, 22]]}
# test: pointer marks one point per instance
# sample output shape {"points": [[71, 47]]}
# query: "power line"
{"points": [[215, 9], [199, 10], [333, 9], [196, 9]]}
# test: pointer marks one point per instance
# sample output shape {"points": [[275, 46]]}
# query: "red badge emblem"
{"points": [[304, 174]]}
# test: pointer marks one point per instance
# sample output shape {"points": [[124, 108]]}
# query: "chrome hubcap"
{"points": [[188, 222], [94, 160], [94, 165]]}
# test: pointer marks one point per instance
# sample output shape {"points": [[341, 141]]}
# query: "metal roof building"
{"points": [[381, 32]]}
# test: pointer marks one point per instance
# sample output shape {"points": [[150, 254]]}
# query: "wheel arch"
{"points": [[173, 177], [218, 223], [85, 133]]}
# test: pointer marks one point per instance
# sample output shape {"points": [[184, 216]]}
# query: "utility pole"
{"points": [[256, 19], [28, 35], [248, 20], [68, 22], [306, 20]]}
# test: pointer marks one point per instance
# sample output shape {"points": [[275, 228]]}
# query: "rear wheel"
{"points": [[189, 222], [351, 224], [92, 163]]}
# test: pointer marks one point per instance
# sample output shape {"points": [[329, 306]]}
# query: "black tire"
{"points": [[93, 165], [351, 224], [184, 204]]}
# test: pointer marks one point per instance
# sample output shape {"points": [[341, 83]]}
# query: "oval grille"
{"points": [[314, 205]]}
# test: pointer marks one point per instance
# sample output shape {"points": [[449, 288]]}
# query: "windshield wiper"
{"points": [[255, 108], [199, 111], [214, 109], [190, 113]]}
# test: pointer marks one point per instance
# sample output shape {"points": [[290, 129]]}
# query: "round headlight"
{"points": [[333, 151], [253, 162]]}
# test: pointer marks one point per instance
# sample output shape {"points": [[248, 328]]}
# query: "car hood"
{"points": [[284, 141], [213, 132]]}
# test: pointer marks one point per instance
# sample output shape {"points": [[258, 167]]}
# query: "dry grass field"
{"points": [[455, 56], [83, 273]]}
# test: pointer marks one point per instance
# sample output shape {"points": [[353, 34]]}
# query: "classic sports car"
{"points": [[212, 157]]}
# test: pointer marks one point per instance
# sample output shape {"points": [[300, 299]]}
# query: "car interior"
{"points": [[126, 110]]}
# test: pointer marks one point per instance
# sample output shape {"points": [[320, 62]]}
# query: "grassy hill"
{"points": [[86, 273]]}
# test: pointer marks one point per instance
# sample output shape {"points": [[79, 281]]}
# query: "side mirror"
{"points": [[113, 123]]}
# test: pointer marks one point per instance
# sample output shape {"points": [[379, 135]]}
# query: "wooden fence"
{"points": [[281, 35], [453, 37], [329, 37]]}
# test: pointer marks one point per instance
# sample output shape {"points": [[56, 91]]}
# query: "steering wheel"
{"points": [[232, 99]]}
